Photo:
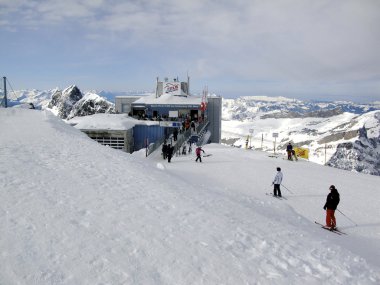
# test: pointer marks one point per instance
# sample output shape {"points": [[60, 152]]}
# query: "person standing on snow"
{"points": [[164, 150], [277, 182], [169, 152], [198, 153], [175, 134], [332, 202], [289, 150]]}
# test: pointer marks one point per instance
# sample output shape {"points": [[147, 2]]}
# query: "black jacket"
{"points": [[332, 200]]}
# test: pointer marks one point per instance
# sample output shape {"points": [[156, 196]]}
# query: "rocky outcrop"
{"points": [[70, 103], [62, 102], [346, 135], [91, 104], [363, 155]]}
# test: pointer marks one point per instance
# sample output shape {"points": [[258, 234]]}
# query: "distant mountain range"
{"points": [[66, 104], [340, 134]]}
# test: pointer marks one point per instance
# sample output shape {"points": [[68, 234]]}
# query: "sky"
{"points": [[69, 217], [302, 49]]}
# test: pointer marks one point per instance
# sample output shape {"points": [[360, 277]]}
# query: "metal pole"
{"points": [[157, 87], [5, 92], [347, 217], [188, 84], [286, 188]]}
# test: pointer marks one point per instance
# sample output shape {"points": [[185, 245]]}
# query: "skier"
{"points": [[277, 182], [198, 153], [332, 202], [192, 124], [289, 149]]}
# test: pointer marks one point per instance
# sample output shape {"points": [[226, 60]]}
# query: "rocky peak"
{"points": [[363, 155], [63, 101]]}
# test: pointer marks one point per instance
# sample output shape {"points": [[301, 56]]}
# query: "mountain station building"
{"points": [[170, 107]]}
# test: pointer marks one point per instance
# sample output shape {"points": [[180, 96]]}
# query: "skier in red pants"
{"points": [[332, 202]]}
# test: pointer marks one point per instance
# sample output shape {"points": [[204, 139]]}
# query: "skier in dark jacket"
{"points": [[332, 202], [175, 134], [289, 150], [170, 151], [164, 150]]}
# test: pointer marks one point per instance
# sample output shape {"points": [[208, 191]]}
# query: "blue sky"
{"points": [[296, 48]]}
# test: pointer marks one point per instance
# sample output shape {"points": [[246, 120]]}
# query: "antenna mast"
{"points": [[5, 92]]}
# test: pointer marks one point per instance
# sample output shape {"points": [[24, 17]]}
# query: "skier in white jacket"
{"points": [[277, 182]]}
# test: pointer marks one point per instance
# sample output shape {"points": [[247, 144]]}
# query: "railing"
{"points": [[183, 137]]}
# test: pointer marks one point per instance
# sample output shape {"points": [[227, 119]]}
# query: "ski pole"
{"points": [[287, 188], [347, 217]]}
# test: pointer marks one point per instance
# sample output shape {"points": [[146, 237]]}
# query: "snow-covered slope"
{"points": [[75, 212]]}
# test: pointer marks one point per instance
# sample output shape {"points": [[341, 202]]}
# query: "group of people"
{"points": [[332, 200], [167, 151]]}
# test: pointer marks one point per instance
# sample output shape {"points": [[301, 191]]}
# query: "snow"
{"points": [[169, 99], [107, 122], [75, 212], [103, 121]]}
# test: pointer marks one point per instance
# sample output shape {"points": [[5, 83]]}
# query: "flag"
{"points": [[302, 152], [204, 100]]}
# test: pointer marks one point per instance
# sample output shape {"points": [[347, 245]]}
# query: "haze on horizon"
{"points": [[321, 50]]}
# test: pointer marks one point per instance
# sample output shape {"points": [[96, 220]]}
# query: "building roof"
{"points": [[167, 99], [116, 122]]}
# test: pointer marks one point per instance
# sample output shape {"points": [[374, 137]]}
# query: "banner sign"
{"points": [[172, 88], [182, 106], [302, 152]]}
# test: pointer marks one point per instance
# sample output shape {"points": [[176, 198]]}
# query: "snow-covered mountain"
{"points": [[330, 130], [249, 107], [66, 104], [362, 155], [70, 103]]}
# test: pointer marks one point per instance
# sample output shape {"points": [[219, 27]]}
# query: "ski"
{"points": [[335, 231], [279, 198], [207, 155]]}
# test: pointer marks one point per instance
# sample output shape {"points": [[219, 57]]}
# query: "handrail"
{"points": [[181, 138]]}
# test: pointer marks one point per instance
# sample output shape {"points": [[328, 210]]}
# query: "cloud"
{"points": [[290, 40]]}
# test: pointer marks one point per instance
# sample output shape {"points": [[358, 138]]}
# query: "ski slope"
{"points": [[75, 212]]}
